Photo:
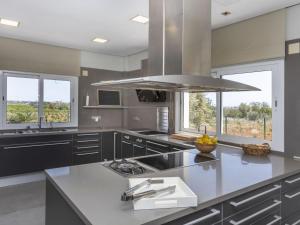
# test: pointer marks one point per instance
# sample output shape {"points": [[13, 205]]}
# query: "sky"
{"points": [[261, 80], [24, 89]]}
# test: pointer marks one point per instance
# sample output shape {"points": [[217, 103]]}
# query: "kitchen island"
{"points": [[90, 194]]}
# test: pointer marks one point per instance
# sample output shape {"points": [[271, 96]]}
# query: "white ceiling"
{"points": [[74, 23]]}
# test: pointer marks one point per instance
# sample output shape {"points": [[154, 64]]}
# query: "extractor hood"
{"points": [[179, 51]]}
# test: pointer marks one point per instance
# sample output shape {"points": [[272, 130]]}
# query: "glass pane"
{"points": [[57, 101], [249, 114], [22, 100], [199, 110]]}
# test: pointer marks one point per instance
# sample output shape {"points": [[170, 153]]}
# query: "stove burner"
{"points": [[127, 168]]}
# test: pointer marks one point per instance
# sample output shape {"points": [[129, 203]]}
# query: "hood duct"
{"points": [[179, 51]]}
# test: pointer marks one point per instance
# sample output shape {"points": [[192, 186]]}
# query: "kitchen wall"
{"points": [[27, 56], [136, 115]]}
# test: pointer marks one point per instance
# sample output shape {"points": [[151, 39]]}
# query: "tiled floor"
{"points": [[23, 204]]}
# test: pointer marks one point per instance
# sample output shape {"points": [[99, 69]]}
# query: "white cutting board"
{"points": [[182, 197]]}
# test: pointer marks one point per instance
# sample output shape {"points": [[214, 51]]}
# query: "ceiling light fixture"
{"points": [[11, 23], [100, 40], [226, 13], [140, 19]]}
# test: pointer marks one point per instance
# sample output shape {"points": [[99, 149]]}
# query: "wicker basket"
{"points": [[257, 150], [205, 148]]}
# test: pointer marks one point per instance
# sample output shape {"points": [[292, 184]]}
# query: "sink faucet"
{"points": [[205, 128], [40, 122]]}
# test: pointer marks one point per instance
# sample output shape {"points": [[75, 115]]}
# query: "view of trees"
{"points": [[248, 120], [27, 112]]}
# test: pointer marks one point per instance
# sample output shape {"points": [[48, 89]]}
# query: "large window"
{"points": [[241, 117], [199, 111], [249, 114], [57, 101], [27, 98], [22, 103]]}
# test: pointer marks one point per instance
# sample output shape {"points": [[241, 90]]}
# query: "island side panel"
{"points": [[58, 211]]}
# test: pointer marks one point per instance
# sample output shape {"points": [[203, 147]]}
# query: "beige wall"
{"points": [[252, 40], [33, 57]]}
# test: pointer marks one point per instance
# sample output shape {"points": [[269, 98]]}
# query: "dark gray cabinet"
{"points": [[35, 154], [117, 145], [127, 149], [108, 143], [87, 148], [212, 215], [159, 147]]}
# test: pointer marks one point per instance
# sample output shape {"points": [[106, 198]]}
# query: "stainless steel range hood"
{"points": [[179, 51]]}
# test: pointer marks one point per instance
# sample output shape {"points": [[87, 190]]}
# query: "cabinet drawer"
{"points": [[212, 215], [290, 202], [139, 150], [291, 183], [248, 200], [293, 219], [87, 142], [255, 213], [157, 146], [271, 219], [90, 148], [86, 157], [87, 136]]}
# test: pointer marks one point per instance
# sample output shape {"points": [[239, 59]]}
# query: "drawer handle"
{"points": [[125, 142], [137, 146], [277, 219], [292, 196], [37, 145], [85, 141], [88, 153], [139, 140], [154, 143], [150, 149], [87, 147], [91, 134], [296, 223], [236, 204], [177, 149], [276, 203], [214, 212], [292, 181]]}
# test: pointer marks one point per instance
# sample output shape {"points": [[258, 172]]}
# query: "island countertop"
{"points": [[93, 191]]}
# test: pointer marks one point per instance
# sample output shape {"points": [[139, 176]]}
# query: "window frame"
{"points": [[41, 77], [277, 68]]}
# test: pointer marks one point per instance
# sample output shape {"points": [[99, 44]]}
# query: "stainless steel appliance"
{"points": [[179, 51]]}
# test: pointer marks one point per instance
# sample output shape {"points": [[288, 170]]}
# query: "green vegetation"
{"points": [[27, 112], [248, 120]]}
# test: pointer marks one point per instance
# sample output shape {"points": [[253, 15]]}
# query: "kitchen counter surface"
{"points": [[94, 191]]}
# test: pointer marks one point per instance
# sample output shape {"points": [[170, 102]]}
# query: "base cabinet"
{"points": [[26, 158]]}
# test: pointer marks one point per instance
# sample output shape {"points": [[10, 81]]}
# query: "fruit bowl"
{"points": [[205, 148]]}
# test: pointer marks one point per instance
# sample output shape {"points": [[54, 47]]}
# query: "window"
{"points": [[28, 97], [199, 110], [57, 101], [241, 117], [22, 100], [249, 114]]}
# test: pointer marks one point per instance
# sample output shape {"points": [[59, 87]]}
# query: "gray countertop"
{"points": [[94, 191]]}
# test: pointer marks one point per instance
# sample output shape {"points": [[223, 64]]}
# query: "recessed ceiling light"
{"points": [[226, 13], [100, 40], [11, 23], [140, 19]]}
